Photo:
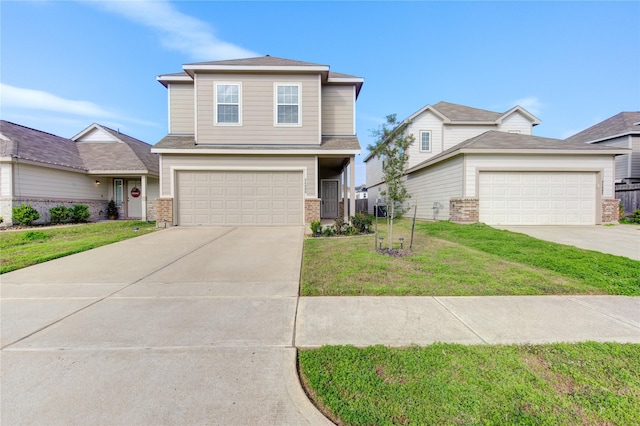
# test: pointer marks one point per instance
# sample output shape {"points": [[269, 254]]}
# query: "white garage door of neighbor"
{"points": [[538, 198], [239, 198]]}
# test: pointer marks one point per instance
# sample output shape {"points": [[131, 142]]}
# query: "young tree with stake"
{"points": [[391, 147]]}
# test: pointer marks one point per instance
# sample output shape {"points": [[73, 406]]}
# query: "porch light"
{"points": [[401, 241], [381, 239], [97, 182]]}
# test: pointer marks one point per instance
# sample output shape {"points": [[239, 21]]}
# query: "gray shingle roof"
{"points": [[623, 123], [130, 154], [260, 61], [329, 143], [455, 112], [495, 141], [31, 144]]}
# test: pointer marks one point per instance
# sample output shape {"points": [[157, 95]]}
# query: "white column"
{"points": [[143, 195], [345, 215], [352, 192]]}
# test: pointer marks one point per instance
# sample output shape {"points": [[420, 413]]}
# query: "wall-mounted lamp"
{"points": [[97, 182]]}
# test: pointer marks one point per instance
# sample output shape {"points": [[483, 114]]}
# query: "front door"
{"points": [[329, 196], [134, 199]]}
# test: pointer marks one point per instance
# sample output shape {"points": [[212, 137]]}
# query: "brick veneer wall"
{"points": [[464, 210], [610, 210], [311, 209], [164, 212], [97, 209]]}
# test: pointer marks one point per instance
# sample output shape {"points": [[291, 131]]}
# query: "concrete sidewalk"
{"points": [[404, 321]]}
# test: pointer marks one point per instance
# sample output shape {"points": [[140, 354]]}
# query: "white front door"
{"points": [[134, 203], [329, 196]]}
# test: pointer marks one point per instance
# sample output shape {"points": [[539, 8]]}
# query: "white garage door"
{"points": [[538, 198], [239, 198]]}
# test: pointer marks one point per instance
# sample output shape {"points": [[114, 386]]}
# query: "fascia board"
{"points": [[606, 138], [85, 131], [434, 161], [166, 79], [535, 120], [617, 151], [285, 68], [255, 152], [345, 80]]}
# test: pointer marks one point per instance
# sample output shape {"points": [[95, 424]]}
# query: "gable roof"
{"points": [[624, 123], [125, 154], [25, 143], [452, 113], [260, 61], [497, 142]]}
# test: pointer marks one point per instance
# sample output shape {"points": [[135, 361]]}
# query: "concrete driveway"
{"points": [[182, 326], [621, 240]]}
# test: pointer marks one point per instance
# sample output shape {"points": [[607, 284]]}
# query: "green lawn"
{"points": [[19, 249], [456, 260], [568, 384]]}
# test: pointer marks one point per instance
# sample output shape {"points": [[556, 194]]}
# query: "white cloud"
{"points": [[18, 97], [179, 32], [531, 104]]}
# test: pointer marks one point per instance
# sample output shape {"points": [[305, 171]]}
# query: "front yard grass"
{"points": [[461, 260], [19, 249], [572, 384]]}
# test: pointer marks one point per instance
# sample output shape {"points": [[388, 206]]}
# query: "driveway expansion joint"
{"points": [[461, 320]]}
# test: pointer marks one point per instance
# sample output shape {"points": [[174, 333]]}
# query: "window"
{"points": [[117, 191], [287, 104], [425, 141], [228, 104]]}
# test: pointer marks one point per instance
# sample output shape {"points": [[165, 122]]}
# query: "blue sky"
{"points": [[67, 64]]}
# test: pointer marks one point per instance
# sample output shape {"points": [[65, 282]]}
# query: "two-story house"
{"points": [[470, 165], [257, 141]]}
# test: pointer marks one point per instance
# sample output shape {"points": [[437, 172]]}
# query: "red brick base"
{"points": [[464, 210], [164, 212], [311, 209], [610, 210]]}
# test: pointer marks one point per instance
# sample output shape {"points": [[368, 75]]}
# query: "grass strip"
{"points": [[572, 384], [19, 249], [613, 274]]}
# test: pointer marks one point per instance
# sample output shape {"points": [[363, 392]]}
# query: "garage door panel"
{"points": [[530, 198], [239, 198]]}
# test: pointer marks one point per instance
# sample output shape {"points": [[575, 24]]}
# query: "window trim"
{"points": [[276, 104], [215, 103], [430, 140], [118, 190]]}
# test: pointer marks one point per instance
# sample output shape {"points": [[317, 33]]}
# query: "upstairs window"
{"points": [[287, 104], [425, 141], [228, 111]]}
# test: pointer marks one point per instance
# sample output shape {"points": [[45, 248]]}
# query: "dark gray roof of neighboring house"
{"points": [[329, 143], [260, 61], [497, 141], [130, 154], [31, 144], [455, 112], [620, 124]]}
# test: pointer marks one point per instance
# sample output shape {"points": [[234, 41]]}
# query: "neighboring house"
{"points": [[93, 167], [257, 141], [620, 131], [361, 192], [473, 165]]}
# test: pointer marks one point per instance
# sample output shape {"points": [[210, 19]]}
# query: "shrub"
{"points": [[340, 225], [635, 217], [24, 215], [60, 214], [328, 232], [80, 213], [316, 227], [362, 222], [112, 210]]}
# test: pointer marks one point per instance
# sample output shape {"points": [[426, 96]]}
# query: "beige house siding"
{"points": [[257, 111], [5, 180], [436, 184], [516, 122], [529, 162], [635, 156], [338, 103], [181, 108], [40, 182], [239, 162], [97, 135], [374, 172]]}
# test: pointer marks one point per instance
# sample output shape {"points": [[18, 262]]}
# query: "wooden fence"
{"points": [[629, 196]]}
